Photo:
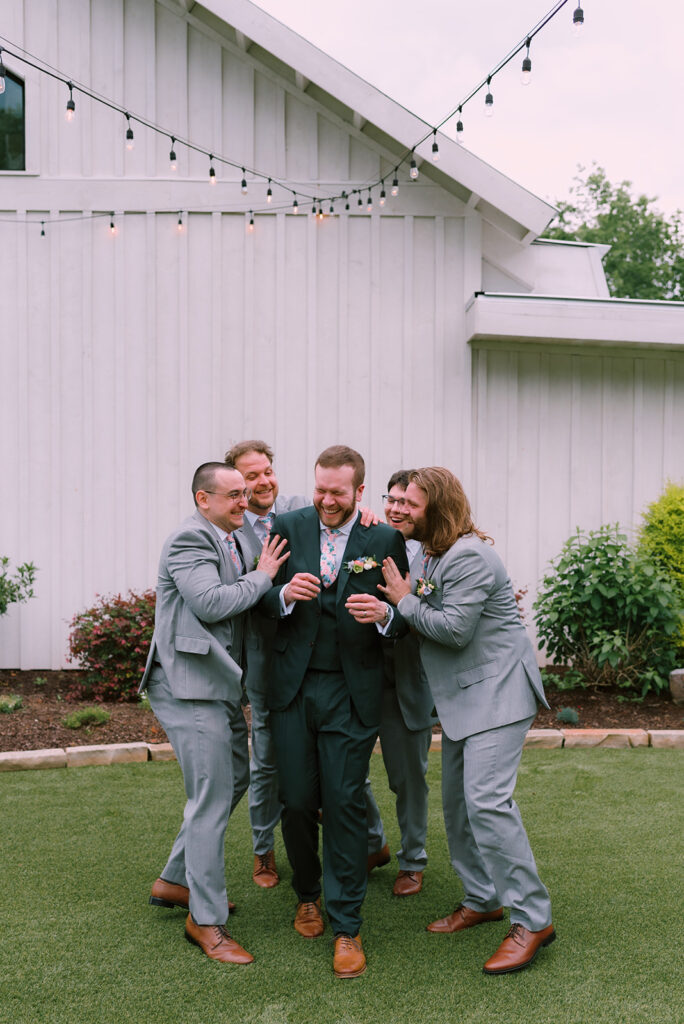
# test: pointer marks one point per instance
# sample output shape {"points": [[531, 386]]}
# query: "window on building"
{"points": [[12, 125]]}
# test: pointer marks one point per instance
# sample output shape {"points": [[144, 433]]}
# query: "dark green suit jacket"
{"points": [[360, 646]]}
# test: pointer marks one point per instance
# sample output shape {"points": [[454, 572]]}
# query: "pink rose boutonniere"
{"points": [[360, 564], [425, 587]]}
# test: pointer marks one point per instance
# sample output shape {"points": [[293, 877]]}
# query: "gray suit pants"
{"points": [[209, 738], [265, 807], [405, 754], [488, 844]]}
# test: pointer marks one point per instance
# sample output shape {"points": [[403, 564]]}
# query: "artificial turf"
{"points": [[79, 849]]}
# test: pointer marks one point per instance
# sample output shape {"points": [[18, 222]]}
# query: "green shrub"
{"points": [[40, 681], [86, 716], [18, 587], [608, 614], [662, 533], [111, 641], [662, 538], [569, 716], [10, 703]]}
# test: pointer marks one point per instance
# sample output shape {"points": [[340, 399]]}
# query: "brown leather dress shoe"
{"points": [[349, 960], [309, 920], [214, 940], [464, 917], [265, 873], [379, 859], [518, 949], [168, 894], [408, 883]]}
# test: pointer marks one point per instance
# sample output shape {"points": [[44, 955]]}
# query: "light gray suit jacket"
{"points": [[260, 631], [404, 667], [478, 658], [198, 621]]}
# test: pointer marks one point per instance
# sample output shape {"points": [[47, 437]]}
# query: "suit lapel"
{"points": [[354, 549]]}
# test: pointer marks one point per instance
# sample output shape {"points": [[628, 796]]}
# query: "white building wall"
{"points": [[567, 439], [127, 360]]}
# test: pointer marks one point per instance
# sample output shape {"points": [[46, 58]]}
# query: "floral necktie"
{"points": [[234, 553], [265, 526], [328, 556]]}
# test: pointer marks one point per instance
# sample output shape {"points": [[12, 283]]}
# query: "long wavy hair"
{"points": [[447, 515]]}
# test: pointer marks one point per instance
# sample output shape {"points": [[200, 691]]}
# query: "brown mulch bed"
{"points": [[38, 723]]}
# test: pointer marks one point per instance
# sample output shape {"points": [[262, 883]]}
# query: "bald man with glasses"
{"points": [[193, 679]]}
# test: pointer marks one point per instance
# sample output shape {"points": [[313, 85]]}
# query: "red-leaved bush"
{"points": [[110, 641]]}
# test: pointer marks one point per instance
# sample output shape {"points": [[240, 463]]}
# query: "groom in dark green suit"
{"points": [[325, 693]]}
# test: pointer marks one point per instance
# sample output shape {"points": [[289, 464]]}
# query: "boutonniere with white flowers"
{"points": [[361, 564], [425, 587]]}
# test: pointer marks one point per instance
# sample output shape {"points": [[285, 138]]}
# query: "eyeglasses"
{"points": [[230, 495], [389, 499]]}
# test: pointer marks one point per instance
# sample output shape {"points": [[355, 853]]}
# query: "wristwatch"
{"points": [[387, 616]]}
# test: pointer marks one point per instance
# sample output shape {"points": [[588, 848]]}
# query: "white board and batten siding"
{"points": [[128, 360], [567, 439]]}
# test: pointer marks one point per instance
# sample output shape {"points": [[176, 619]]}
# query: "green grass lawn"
{"points": [[80, 848]]}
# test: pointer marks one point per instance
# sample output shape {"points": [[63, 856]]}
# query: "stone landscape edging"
{"points": [[127, 753]]}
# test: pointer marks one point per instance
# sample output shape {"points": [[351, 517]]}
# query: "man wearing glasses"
{"points": [[193, 679], [405, 726]]}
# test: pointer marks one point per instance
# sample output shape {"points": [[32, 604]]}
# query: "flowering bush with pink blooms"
{"points": [[110, 641]]}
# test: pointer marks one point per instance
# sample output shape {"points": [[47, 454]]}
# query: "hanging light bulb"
{"points": [[212, 172], [369, 204], [70, 107], [130, 142], [435, 147], [295, 206], [413, 171], [112, 225], [578, 20], [394, 191], [459, 127], [172, 155], [359, 201], [383, 195], [526, 75], [313, 209], [269, 194], [331, 211], [320, 212], [243, 183], [42, 223], [3, 72], [489, 99], [179, 225], [250, 226]]}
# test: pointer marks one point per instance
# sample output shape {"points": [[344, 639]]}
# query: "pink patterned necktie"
{"points": [[234, 553], [328, 556], [426, 559], [266, 524]]}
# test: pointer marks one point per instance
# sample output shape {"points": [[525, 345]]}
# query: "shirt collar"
{"points": [[344, 530], [221, 534]]}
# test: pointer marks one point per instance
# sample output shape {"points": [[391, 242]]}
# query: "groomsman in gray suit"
{"points": [[194, 684], [405, 727], [254, 460], [486, 686]]}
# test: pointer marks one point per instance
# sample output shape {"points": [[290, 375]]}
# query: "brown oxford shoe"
{"points": [[518, 949], [464, 917], [265, 873], [214, 940], [349, 960], [379, 859], [309, 920], [168, 894], [408, 883]]}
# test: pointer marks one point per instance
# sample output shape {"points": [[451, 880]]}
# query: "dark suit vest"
{"points": [[326, 650]]}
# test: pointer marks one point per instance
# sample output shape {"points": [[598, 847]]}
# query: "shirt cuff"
{"points": [[285, 609]]}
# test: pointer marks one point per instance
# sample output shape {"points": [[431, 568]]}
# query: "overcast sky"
{"points": [[613, 96]]}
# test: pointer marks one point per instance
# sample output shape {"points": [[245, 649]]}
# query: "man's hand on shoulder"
{"points": [[272, 557]]}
